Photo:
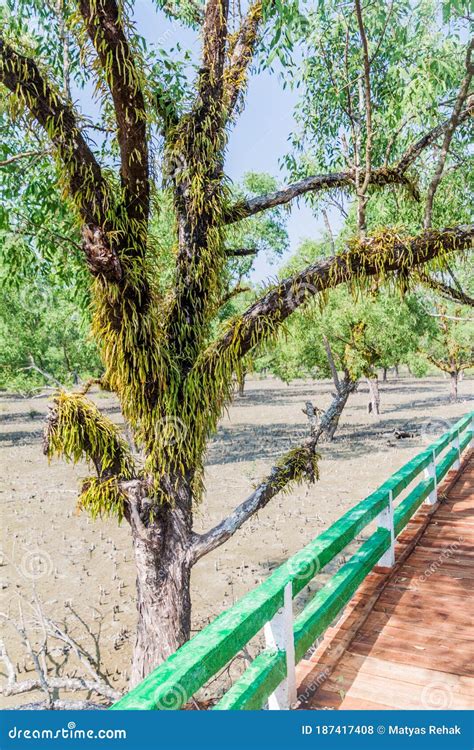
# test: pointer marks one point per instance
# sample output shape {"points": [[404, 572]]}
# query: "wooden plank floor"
{"points": [[406, 639]]}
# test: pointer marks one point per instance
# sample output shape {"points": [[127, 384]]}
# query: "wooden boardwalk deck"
{"points": [[406, 639]]}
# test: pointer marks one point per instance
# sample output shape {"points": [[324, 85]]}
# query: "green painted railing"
{"points": [[271, 674]]}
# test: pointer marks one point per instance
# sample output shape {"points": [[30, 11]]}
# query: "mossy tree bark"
{"points": [[171, 376]]}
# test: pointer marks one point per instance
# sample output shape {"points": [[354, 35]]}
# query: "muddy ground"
{"points": [[81, 572]]}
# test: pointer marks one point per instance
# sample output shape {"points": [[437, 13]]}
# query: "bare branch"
{"points": [[95, 682], [380, 177], [444, 316], [448, 135], [24, 155], [46, 375], [415, 150], [63, 37], [288, 469], [332, 365], [61, 705], [329, 229]]}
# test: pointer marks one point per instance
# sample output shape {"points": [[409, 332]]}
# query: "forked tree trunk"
{"points": [[373, 407], [454, 384]]}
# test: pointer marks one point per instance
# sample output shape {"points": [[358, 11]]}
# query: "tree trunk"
{"points": [[241, 383], [373, 407], [164, 608], [384, 378], [396, 371], [454, 384], [161, 551], [332, 364], [344, 392]]}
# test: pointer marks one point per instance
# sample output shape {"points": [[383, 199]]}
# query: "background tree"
{"points": [[450, 346], [44, 339], [165, 127]]}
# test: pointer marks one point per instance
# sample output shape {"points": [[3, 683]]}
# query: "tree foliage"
{"points": [[150, 161]]}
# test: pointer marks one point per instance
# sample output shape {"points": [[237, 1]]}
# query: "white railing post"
{"points": [[385, 520], [430, 473], [279, 635], [456, 444]]}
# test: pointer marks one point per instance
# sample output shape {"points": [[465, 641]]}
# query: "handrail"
{"points": [[175, 681]]}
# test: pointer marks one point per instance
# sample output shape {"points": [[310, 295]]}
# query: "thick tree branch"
{"points": [[105, 28], [211, 77], [95, 437], [296, 463], [241, 54], [416, 149], [195, 157], [444, 366], [381, 176], [371, 257], [88, 187], [448, 135], [251, 206], [22, 77], [233, 293]]}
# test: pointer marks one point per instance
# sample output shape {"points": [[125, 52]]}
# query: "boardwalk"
{"points": [[406, 639]]}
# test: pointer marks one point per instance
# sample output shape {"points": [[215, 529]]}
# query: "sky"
{"points": [[260, 137]]}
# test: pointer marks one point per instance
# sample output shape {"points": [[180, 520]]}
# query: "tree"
{"points": [[376, 80], [171, 372], [450, 347], [44, 338]]}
